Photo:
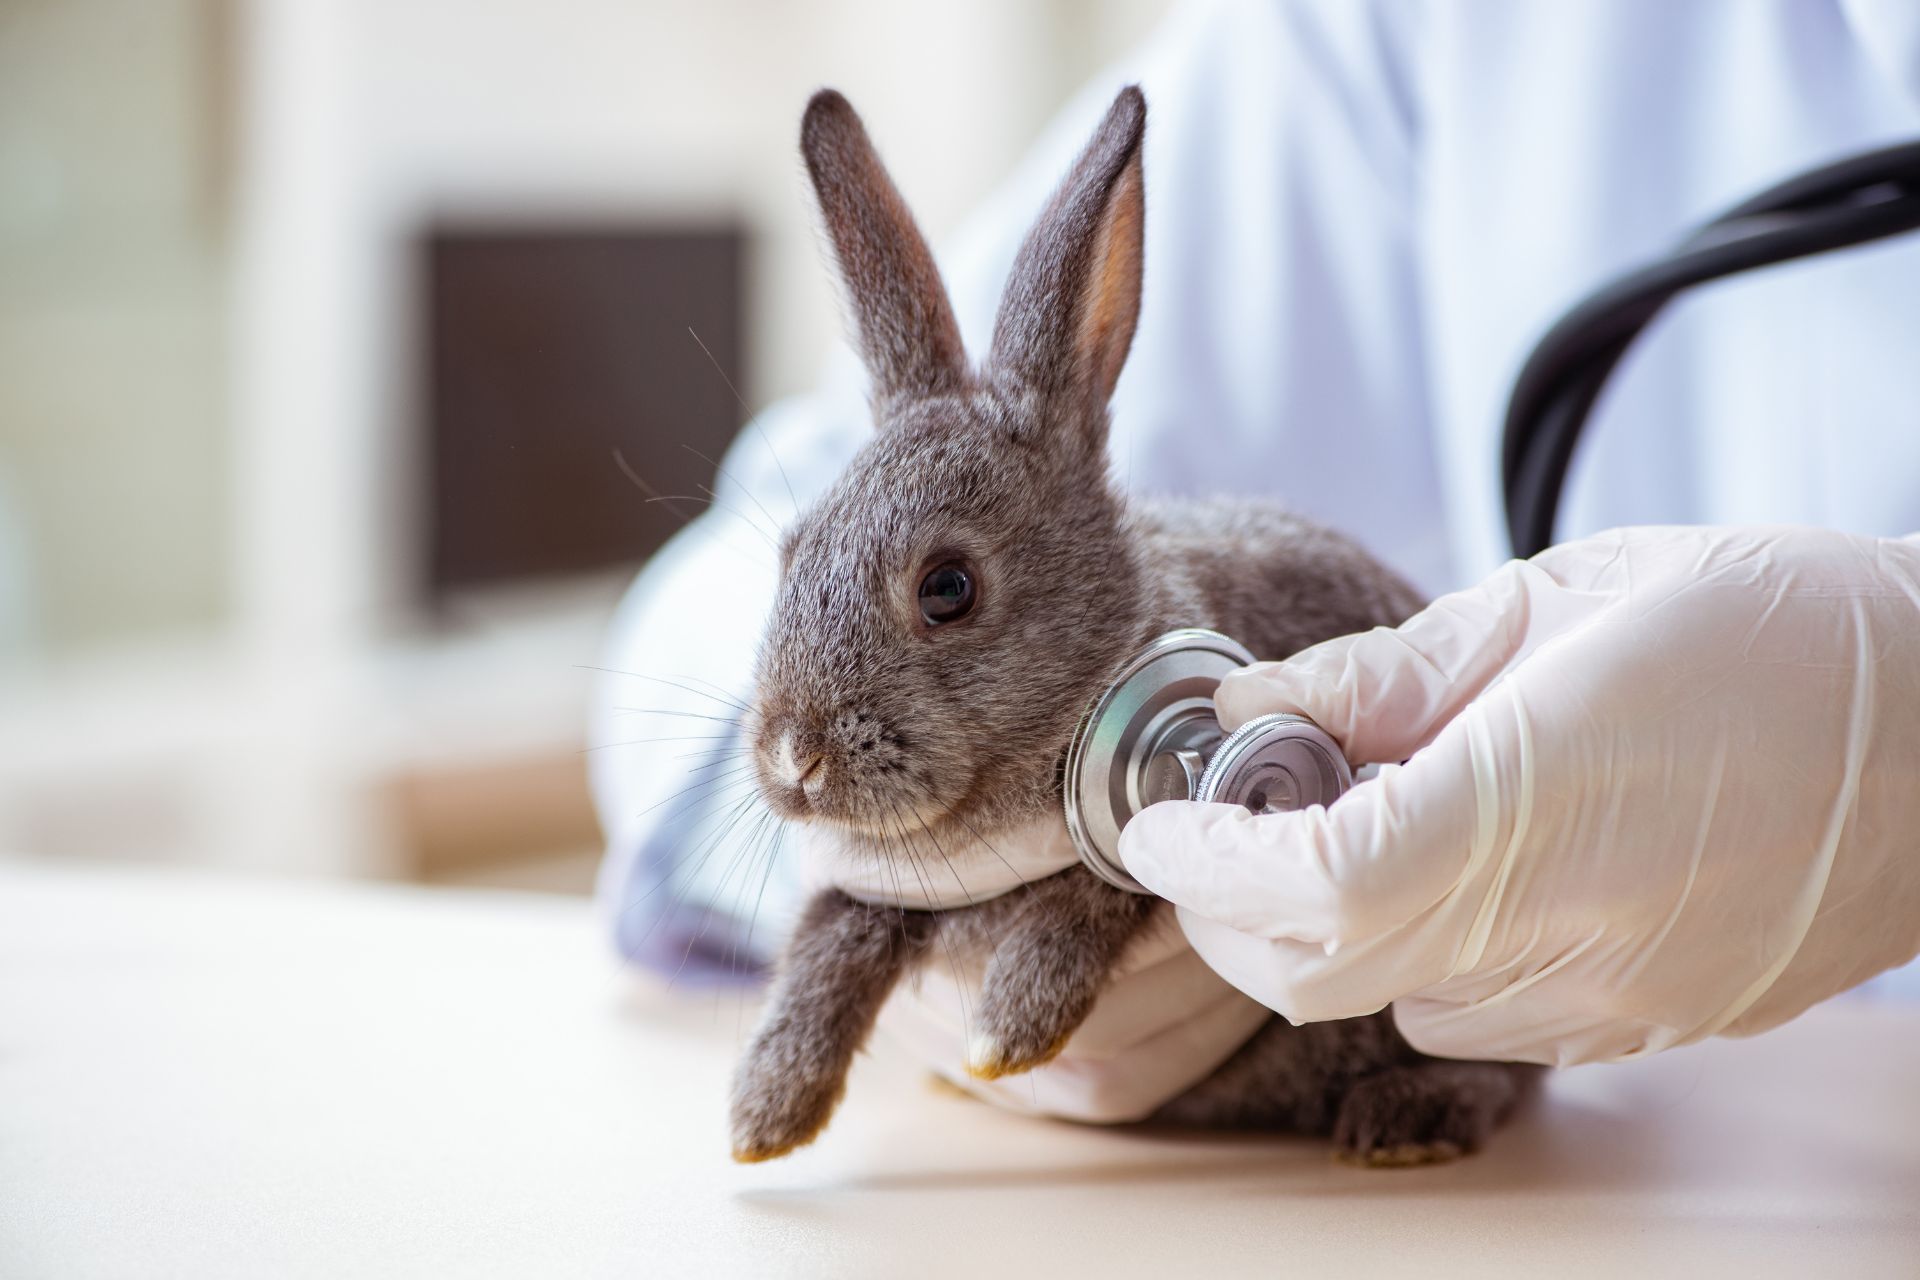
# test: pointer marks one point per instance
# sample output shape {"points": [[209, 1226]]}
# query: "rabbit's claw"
{"points": [[991, 1056]]}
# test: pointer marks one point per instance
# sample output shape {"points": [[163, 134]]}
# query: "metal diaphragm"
{"points": [[1276, 764], [1151, 735]]}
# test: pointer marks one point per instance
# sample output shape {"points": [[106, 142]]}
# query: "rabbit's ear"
{"points": [[907, 334], [1074, 295]]}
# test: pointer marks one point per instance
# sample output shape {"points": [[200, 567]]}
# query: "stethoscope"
{"points": [[1151, 735]]}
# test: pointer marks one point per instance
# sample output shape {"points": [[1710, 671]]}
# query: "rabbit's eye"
{"points": [[946, 593]]}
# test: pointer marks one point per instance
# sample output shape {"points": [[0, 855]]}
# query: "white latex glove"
{"points": [[1660, 785]]}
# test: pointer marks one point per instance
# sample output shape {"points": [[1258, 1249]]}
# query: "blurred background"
{"points": [[321, 323]]}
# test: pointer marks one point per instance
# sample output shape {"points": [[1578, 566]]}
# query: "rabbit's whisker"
{"points": [[723, 699], [710, 499], [655, 496], [708, 847], [731, 721], [891, 856], [753, 419], [961, 818], [946, 940], [666, 881], [772, 536], [735, 775], [774, 832], [722, 753], [736, 860], [720, 470], [940, 849], [636, 742]]}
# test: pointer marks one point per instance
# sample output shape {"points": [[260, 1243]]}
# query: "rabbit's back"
{"points": [[1271, 579]]}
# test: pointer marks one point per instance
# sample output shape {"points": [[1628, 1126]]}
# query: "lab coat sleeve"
{"points": [[1280, 325]]}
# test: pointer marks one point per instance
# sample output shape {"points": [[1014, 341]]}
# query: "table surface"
{"points": [[204, 1077]]}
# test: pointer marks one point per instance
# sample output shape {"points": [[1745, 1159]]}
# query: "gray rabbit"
{"points": [[949, 608]]}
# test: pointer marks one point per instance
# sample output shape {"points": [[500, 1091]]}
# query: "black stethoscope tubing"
{"points": [[1851, 202]]}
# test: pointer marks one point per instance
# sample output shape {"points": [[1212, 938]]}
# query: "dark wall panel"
{"points": [[547, 351]]}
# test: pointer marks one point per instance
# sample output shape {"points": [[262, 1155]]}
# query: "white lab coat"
{"points": [[1360, 216]]}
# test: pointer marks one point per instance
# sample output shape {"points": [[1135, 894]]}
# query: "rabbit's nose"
{"points": [[797, 765]]}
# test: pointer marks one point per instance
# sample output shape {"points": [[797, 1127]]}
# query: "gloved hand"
{"points": [[1659, 786]]}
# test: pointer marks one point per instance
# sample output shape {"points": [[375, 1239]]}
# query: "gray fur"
{"points": [[903, 321], [931, 736], [845, 958]]}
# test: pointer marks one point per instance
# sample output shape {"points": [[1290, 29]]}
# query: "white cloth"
{"points": [[1360, 215], [1659, 788], [966, 872]]}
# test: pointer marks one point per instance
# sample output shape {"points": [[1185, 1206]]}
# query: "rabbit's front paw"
{"points": [[1047, 971], [782, 1099]]}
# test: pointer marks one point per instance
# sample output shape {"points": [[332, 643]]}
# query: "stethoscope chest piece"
{"points": [[1274, 764], [1151, 735]]}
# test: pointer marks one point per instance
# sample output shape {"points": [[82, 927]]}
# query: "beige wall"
{"points": [[113, 434]]}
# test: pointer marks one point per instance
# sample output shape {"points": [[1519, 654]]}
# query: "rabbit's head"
{"points": [[947, 609]]}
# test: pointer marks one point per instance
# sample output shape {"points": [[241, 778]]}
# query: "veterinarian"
{"points": [[1658, 781]]}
